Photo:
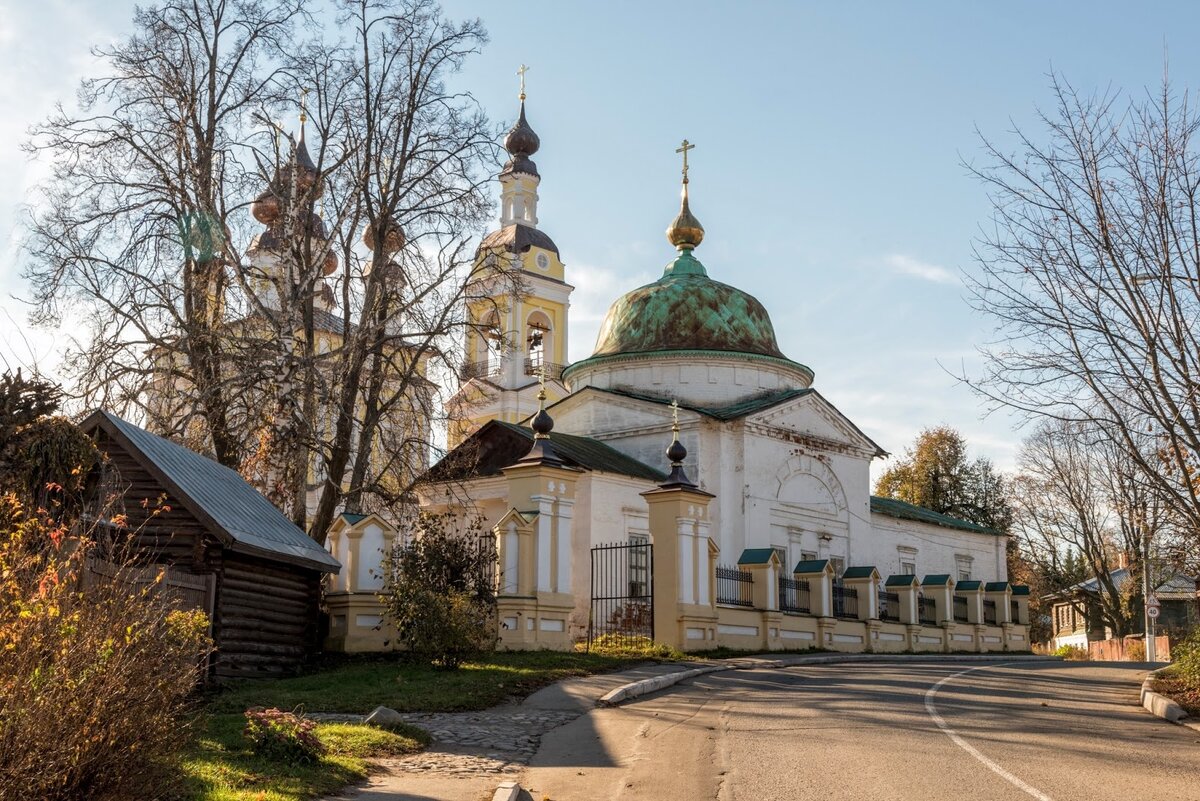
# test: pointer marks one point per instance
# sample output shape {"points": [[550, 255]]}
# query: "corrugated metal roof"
{"points": [[936, 580], [862, 571], [967, 586], [214, 491], [907, 511]]}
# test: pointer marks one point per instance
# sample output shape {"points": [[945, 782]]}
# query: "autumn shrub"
{"points": [[1072, 653], [96, 669], [1186, 655], [630, 645], [439, 592], [283, 736], [1135, 650]]}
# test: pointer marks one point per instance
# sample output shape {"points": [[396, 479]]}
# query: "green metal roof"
{"points": [[811, 566], [936, 580], [968, 586], [997, 586], [497, 445], [907, 511], [1020, 589], [859, 572], [352, 518], [900, 580], [756, 556], [685, 309]]}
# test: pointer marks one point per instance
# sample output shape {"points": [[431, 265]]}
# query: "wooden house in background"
{"points": [[204, 521]]}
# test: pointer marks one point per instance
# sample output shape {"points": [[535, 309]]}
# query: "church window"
{"points": [[908, 567], [808, 556]]}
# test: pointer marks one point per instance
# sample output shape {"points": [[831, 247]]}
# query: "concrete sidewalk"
{"points": [[451, 770]]}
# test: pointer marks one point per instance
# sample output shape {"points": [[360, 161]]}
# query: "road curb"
{"points": [[1162, 706], [636, 689]]}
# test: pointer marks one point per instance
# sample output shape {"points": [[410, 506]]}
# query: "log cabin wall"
{"points": [[265, 615]]}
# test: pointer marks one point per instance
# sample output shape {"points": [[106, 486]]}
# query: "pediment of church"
{"points": [[594, 413], [811, 417]]}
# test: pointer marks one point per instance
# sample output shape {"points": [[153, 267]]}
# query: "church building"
{"points": [[563, 461]]}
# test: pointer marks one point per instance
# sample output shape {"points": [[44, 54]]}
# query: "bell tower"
{"points": [[518, 312]]}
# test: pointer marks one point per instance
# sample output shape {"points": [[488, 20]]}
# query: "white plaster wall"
{"points": [[936, 548], [370, 555], [707, 381]]}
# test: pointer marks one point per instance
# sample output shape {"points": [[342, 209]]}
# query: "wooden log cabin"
{"points": [[203, 520]]}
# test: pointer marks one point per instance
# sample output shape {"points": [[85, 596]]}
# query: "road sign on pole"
{"points": [[1153, 602], [1152, 611]]}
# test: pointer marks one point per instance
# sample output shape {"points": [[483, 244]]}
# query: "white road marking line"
{"points": [[970, 749]]}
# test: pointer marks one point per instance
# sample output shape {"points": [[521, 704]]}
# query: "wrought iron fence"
{"points": [[845, 601], [794, 595], [622, 608], [960, 609], [989, 611], [889, 606], [927, 610], [735, 587]]}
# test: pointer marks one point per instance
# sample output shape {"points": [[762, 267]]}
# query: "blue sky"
{"points": [[828, 171]]}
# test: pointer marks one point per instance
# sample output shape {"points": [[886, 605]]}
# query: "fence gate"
{"points": [[622, 592]]}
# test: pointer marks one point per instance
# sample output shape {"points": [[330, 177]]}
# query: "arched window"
{"points": [[538, 344]]}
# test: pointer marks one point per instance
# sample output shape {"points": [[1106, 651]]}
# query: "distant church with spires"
{"points": [[685, 445]]}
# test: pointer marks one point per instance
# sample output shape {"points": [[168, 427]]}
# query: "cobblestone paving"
{"points": [[492, 742]]}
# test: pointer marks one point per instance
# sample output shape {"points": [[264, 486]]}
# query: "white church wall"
{"points": [[934, 549], [710, 380]]}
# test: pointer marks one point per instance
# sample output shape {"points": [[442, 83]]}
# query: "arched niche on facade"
{"points": [[808, 482], [539, 339]]}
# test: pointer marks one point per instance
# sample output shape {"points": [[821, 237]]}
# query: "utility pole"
{"points": [[1151, 656]]}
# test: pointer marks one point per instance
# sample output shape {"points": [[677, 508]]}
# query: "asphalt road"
{"points": [[945, 731]]}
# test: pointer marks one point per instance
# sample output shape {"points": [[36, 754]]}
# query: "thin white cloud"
{"points": [[907, 265]]}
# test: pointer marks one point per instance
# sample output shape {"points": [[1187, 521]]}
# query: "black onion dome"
{"points": [[521, 140], [676, 452], [542, 423], [521, 143]]}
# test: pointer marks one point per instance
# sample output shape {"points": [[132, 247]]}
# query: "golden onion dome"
{"points": [[266, 208], [330, 263], [393, 237], [685, 231]]}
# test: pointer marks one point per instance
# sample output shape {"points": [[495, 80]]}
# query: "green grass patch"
{"points": [[219, 765], [360, 685]]}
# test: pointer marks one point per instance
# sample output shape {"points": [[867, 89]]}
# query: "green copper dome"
{"points": [[687, 310]]}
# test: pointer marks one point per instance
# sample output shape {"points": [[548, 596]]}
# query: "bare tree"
{"points": [[301, 354], [1076, 493], [1092, 270]]}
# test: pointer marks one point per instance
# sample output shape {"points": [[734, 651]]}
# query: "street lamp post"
{"points": [[1151, 654]]}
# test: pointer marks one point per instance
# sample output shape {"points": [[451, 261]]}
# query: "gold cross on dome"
{"points": [[684, 148], [675, 415], [304, 90], [523, 69], [542, 382]]}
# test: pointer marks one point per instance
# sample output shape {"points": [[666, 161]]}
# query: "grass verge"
{"points": [[219, 767], [360, 685], [1179, 688]]}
